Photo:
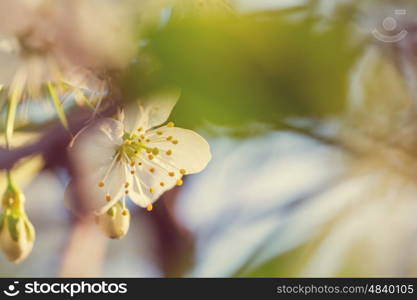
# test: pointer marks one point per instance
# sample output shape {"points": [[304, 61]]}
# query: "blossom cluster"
{"points": [[64, 49]]}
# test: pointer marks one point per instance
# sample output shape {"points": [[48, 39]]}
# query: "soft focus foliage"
{"points": [[235, 70]]}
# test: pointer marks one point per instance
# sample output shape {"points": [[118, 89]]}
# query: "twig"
{"points": [[55, 136]]}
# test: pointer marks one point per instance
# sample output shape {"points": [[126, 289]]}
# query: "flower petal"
{"points": [[181, 148], [94, 150], [180, 152], [150, 112], [10, 63], [138, 193], [160, 105], [151, 180], [95, 145], [113, 188], [135, 117]]}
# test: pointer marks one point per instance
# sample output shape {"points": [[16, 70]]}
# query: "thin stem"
{"points": [[11, 116], [58, 106], [9, 178], [10, 121]]}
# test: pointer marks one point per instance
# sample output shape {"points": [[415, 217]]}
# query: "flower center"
{"points": [[156, 160], [133, 145]]}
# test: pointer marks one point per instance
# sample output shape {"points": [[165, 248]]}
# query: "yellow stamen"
{"points": [[140, 129], [159, 132], [108, 198], [172, 174], [124, 212], [152, 170], [155, 151], [170, 124], [150, 156], [149, 207], [151, 190], [169, 152], [183, 171], [179, 182], [126, 184], [169, 138], [101, 184], [162, 183], [175, 142]]}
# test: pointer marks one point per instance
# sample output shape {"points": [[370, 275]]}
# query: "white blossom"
{"points": [[135, 158], [68, 45]]}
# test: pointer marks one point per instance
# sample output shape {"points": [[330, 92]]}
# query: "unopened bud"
{"points": [[115, 222], [17, 234], [13, 199]]}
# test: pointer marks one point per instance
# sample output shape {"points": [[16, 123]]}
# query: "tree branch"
{"points": [[55, 137]]}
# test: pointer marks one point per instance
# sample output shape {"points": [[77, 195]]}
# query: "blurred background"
{"points": [[310, 109]]}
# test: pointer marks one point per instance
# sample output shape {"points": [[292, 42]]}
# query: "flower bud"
{"points": [[13, 199], [17, 234], [115, 222]]}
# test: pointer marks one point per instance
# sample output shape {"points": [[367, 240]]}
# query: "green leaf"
{"points": [[12, 224], [30, 230], [11, 114], [112, 211], [58, 106]]}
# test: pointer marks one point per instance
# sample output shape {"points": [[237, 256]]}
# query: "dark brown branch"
{"points": [[56, 137]]}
